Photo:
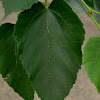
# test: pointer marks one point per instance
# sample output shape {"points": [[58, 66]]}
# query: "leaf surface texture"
{"points": [[17, 5], [91, 60], [49, 45], [10, 64]]}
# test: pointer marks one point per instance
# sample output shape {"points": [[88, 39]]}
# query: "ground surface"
{"points": [[82, 90]]}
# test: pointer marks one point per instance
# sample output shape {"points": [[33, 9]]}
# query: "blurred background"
{"points": [[82, 90]]}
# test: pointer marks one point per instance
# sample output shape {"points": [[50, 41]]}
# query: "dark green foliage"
{"points": [[49, 45], [10, 64], [43, 50]]}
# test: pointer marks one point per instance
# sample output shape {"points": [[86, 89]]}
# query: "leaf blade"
{"points": [[44, 49], [90, 3], [10, 64], [77, 6], [17, 6], [91, 60], [97, 8]]}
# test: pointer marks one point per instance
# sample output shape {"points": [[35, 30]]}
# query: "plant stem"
{"points": [[94, 21], [88, 8], [90, 11], [95, 11], [86, 5], [46, 2]]}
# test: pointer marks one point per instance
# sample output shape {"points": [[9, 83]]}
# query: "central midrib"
{"points": [[49, 50]]}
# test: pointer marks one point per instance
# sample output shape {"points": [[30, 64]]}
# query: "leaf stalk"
{"points": [[46, 2], [95, 11], [94, 21]]}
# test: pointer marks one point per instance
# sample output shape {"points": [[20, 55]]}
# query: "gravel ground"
{"points": [[82, 90]]}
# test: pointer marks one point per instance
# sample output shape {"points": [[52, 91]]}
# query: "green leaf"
{"points": [[77, 6], [91, 60], [95, 4], [10, 64], [90, 3], [17, 5], [49, 45], [97, 8]]}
